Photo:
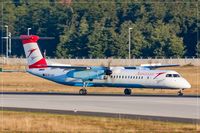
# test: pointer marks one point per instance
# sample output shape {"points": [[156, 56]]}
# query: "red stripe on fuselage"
{"points": [[158, 74]]}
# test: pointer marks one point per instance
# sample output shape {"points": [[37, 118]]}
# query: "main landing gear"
{"points": [[83, 91], [127, 91], [180, 92]]}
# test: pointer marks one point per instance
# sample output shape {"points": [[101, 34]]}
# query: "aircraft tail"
{"points": [[32, 51]]}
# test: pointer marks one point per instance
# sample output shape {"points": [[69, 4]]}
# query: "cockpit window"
{"points": [[173, 75], [176, 75], [169, 75]]}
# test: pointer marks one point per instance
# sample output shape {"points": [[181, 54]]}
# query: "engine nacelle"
{"points": [[108, 72], [85, 75]]}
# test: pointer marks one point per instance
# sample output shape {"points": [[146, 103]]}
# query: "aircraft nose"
{"points": [[187, 84]]}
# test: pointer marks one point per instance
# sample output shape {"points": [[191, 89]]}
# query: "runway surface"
{"points": [[97, 94], [174, 107]]}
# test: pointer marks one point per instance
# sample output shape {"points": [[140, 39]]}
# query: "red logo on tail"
{"points": [[31, 51]]}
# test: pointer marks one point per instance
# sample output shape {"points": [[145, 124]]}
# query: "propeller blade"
{"points": [[109, 63], [108, 71]]}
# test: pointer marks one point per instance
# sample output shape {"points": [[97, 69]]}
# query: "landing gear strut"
{"points": [[127, 91], [83, 91], [180, 92]]}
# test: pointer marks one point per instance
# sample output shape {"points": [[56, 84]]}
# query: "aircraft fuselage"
{"points": [[165, 79]]}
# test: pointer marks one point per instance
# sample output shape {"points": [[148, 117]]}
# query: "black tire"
{"points": [[82, 91], [127, 91], [85, 92], [180, 94]]}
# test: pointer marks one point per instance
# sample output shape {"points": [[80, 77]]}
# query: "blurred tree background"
{"points": [[90, 29]]}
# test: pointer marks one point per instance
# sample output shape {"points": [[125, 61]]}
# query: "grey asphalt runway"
{"points": [[97, 94], [177, 107]]}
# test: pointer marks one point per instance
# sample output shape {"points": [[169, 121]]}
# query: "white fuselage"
{"points": [[128, 78]]}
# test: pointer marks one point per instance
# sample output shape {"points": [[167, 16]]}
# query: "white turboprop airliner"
{"points": [[85, 76]]}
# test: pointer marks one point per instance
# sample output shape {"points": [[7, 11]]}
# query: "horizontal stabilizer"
{"points": [[12, 71], [25, 37]]}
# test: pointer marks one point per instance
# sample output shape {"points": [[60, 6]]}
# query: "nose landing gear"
{"points": [[127, 91], [180, 92]]}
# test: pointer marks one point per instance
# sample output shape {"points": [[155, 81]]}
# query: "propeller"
{"points": [[108, 70]]}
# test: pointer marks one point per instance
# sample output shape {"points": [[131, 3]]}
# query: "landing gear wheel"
{"points": [[127, 91], [83, 92], [180, 93]]}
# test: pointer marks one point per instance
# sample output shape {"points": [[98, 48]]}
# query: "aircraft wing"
{"points": [[142, 67], [151, 66]]}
